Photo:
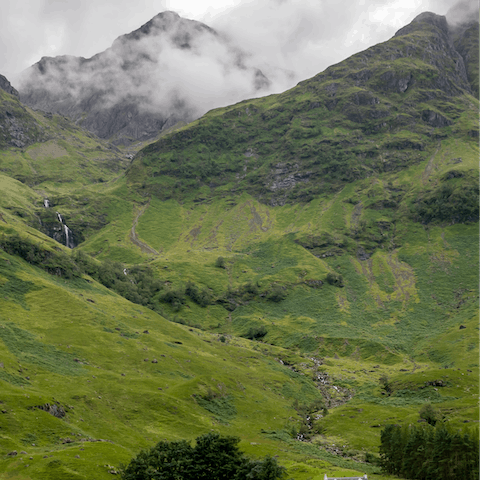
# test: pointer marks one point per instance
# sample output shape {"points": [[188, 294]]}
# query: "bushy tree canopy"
{"points": [[214, 457]]}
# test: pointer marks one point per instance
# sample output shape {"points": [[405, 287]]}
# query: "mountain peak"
{"points": [[167, 14], [149, 80], [162, 23], [419, 22]]}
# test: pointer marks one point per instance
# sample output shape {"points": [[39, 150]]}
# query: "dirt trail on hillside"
{"points": [[357, 212], [133, 235], [428, 169]]}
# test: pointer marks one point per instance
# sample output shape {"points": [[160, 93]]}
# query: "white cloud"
{"points": [[300, 36], [30, 29], [307, 36]]}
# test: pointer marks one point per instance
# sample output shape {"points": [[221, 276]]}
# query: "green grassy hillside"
{"points": [[302, 270], [89, 378]]}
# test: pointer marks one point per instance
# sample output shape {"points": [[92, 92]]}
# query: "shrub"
{"points": [[55, 263], [371, 458], [254, 333], [176, 298], [250, 288], [385, 383], [277, 293], [220, 262], [451, 201], [428, 413], [201, 297], [334, 279]]}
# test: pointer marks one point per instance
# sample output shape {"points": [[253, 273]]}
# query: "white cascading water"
{"points": [[68, 232], [46, 203], [67, 236]]}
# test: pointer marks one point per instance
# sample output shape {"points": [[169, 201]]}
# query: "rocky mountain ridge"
{"points": [[146, 82], [380, 110]]}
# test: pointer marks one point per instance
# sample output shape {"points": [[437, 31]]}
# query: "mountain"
{"points": [[379, 111], [325, 184], [170, 70], [298, 270]]}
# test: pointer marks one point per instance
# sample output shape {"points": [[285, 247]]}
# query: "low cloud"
{"points": [[301, 35], [307, 36], [463, 12], [170, 66]]}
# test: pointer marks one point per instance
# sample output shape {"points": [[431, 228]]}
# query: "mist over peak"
{"points": [[463, 12], [170, 69], [165, 22]]}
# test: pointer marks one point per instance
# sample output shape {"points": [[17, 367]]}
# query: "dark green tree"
{"points": [[214, 457], [266, 469], [165, 461]]}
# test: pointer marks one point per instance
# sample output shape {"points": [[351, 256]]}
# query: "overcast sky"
{"points": [[304, 36]]}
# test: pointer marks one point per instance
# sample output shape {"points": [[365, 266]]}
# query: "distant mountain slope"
{"points": [[169, 70], [40, 147], [56, 157], [380, 110]]}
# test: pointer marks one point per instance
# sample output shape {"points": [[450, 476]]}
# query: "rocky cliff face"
{"points": [[17, 126], [7, 86], [169, 70]]}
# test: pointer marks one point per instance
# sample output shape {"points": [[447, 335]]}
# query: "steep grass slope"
{"points": [[89, 378]]}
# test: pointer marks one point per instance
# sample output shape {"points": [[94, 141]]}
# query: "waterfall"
{"points": [[46, 203], [68, 233], [68, 240], [124, 271]]}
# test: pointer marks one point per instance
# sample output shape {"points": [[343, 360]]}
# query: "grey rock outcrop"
{"points": [[54, 409], [7, 86], [18, 128]]}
